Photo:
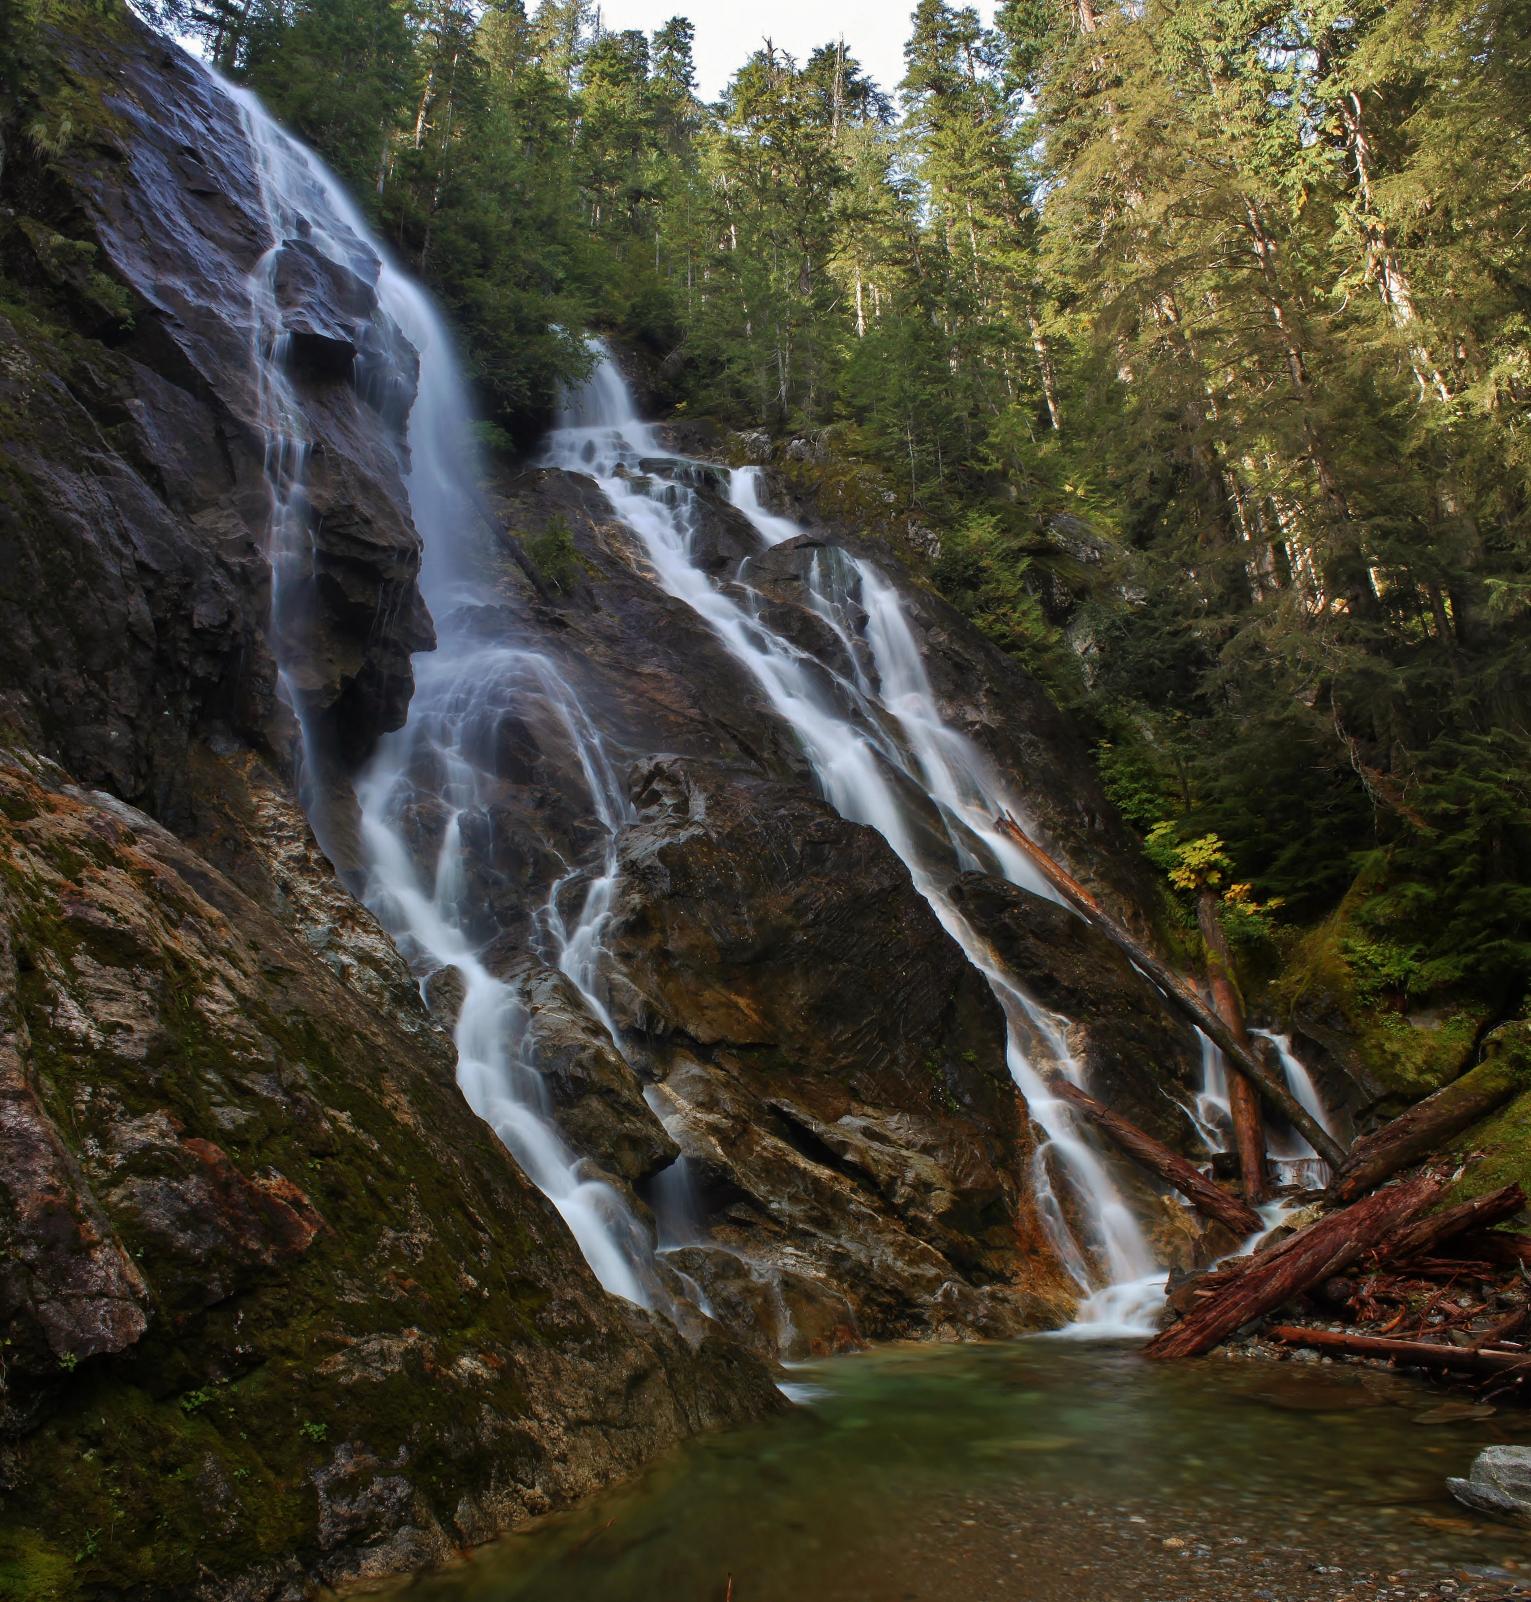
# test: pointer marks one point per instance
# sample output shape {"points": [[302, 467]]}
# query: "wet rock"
{"points": [[325, 307], [1499, 1483], [829, 1062], [1007, 713], [134, 513], [597, 1096]]}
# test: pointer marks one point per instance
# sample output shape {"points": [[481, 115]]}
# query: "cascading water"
{"points": [[434, 780], [1291, 1159], [885, 757]]}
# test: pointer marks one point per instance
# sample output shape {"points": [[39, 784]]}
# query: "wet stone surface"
{"points": [[1042, 1471]]}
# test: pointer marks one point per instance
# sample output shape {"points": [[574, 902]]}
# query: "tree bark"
{"points": [[1325, 1248], [1207, 1198], [1243, 1100], [1421, 1239], [1274, 1091], [1412, 1354], [1428, 1124]]}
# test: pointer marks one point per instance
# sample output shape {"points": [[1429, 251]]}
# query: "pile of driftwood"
{"points": [[1438, 1289]]}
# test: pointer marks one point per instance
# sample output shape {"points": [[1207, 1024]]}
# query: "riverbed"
{"points": [[1041, 1471]]}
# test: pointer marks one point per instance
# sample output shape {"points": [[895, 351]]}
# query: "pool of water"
{"points": [[1040, 1471]]}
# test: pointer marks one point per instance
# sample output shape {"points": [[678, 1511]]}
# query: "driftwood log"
{"points": [[1412, 1354], [1270, 1086], [1430, 1123], [1420, 1239], [1273, 1277], [1207, 1198]]}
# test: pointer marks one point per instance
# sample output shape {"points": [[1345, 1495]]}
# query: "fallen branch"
{"points": [[1429, 1124], [1504, 1328], [1272, 1278], [1206, 1197], [1244, 1060], [1411, 1354]]}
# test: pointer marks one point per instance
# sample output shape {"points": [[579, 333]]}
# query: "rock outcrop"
{"points": [[276, 1303]]}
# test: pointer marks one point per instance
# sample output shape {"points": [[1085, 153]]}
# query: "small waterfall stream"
{"points": [[875, 738]]}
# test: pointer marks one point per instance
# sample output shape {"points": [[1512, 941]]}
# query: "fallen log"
{"points": [[1411, 1354], [1168, 982], [1429, 1124], [1243, 1099], [1207, 1198], [1420, 1239], [1324, 1248]]}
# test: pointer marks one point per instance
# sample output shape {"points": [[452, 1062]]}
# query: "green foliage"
{"points": [[1381, 967], [554, 554], [1135, 780]]}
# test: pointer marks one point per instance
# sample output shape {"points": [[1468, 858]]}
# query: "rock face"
{"points": [[1140, 1058], [828, 1062], [276, 1302], [134, 507], [275, 1306]]}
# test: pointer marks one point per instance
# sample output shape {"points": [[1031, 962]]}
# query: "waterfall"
{"points": [[438, 771], [881, 749], [871, 728]]}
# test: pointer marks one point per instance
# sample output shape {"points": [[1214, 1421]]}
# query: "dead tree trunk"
{"points": [[1243, 1100], [1412, 1354], [1207, 1198], [1429, 1124], [1421, 1239], [1178, 995], [1325, 1248]]}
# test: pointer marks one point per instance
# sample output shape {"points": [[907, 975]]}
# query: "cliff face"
{"points": [[276, 1304]]}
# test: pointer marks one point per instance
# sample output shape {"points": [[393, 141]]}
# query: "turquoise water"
{"points": [[1040, 1470]]}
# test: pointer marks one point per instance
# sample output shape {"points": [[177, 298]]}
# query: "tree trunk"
{"points": [[1243, 1100], [1429, 1124], [1412, 1354], [1421, 1239], [1207, 1198], [1275, 1092], [1325, 1248]]}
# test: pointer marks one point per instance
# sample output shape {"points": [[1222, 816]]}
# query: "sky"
{"points": [[727, 31]]}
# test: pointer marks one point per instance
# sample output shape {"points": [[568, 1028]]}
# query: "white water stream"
{"points": [[432, 783]]}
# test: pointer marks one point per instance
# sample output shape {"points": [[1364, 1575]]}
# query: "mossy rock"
{"points": [[360, 1339], [1497, 1151], [1335, 993]]}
